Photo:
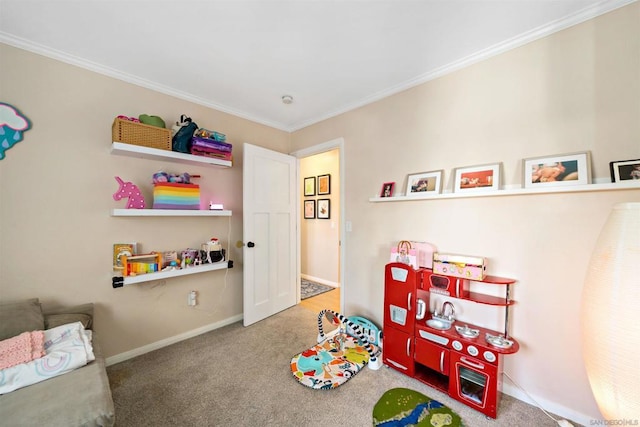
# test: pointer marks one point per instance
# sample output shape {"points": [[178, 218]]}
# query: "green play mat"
{"points": [[401, 407]]}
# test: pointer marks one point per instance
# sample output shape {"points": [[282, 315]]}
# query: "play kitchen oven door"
{"points": [[474, 382]]}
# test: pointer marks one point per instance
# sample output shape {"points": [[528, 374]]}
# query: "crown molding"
{"points": [[537, 33], [528, 37], [48, 52]]}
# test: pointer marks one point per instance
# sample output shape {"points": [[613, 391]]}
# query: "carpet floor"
{"points": [[310, 289], [240, 376]]}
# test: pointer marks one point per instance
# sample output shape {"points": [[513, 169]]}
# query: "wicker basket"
{"points": [[140, 134]]}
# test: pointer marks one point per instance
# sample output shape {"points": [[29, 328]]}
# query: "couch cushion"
{"points": [[20, 316], [61, 316]]}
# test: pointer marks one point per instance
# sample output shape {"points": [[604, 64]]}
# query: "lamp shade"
{"points": [[611, 315]]}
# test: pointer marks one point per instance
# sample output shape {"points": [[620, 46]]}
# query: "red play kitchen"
{"points": [[423, 339]]}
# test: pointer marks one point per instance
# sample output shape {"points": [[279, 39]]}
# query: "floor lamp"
{"points": [[611, 315]]}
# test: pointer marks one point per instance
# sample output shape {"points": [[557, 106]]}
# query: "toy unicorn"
{"points": [[130, 190]]}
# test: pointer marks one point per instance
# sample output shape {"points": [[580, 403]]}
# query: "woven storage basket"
{"points": [[140, 134]]}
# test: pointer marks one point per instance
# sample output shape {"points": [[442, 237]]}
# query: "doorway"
{"points": [[321, 231]]}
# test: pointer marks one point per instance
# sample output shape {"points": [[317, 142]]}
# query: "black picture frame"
{"points": [[324, 184], [310, 186], [324, 209], [309, 209], [625, 170]]}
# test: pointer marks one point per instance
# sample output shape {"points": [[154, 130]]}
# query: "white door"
{"points": [[269, 233]]}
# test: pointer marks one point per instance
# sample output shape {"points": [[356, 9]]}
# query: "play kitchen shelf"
{"points": [[457, 358], [142, 152]]}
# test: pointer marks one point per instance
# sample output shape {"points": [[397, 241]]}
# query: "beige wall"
{"points": [[56, 187], [575, 90], [320, 238]]}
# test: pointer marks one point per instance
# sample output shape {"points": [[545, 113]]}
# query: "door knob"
{"points": [[250, 244]]}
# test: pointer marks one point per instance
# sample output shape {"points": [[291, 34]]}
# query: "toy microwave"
{"points": [[447, 285], [465, 267]]}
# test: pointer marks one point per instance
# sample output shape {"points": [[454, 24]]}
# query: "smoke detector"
{"points": [[287, 99]]}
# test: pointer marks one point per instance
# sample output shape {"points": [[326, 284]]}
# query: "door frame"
{"points": [[333, 144]]}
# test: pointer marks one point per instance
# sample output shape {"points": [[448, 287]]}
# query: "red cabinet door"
{"points": [[400, 296], [432, 355], [397, 351]]}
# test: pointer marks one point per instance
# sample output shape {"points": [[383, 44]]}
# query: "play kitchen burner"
{"points": [[458, 358]]}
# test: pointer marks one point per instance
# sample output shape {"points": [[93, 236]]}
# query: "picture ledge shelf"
{"points": [[516, 192], [139, 151], [167, 212]]}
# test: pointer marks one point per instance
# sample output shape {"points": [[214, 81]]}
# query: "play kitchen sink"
{"points": [[467, 332], [439, 324]]}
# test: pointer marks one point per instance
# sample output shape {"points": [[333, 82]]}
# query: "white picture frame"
{"points": [[481, 178], [560, 170], [424, 183]]}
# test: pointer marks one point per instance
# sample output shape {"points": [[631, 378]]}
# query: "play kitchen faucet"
{"points": [[442, 315]]}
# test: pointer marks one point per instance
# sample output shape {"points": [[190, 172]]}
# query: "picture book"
{"points": [[120, 249]]}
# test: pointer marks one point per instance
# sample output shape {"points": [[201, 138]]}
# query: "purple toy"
{"points": [[130, 190]]}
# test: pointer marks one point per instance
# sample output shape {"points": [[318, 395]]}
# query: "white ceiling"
{"points": [[242, 56]]}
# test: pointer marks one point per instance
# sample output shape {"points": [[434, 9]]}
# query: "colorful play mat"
{"points": [[336, 359], [401, 407]]}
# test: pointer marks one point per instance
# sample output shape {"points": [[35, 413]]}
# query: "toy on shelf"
{"points": [[183, 178], [211, 252], [141, 264], [132, 192], [171, 191]]}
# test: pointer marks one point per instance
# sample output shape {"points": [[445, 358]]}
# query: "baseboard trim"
{"points": [[319, 280], [171, 340], [549, 406]]}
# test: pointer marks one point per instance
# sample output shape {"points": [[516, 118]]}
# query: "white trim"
{"points": [[504, 46], [549, 406], [319, 280], [171, 340], [337, 143]]}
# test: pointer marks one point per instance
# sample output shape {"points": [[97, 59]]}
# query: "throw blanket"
{"points": [[67, 347], [21, 349]]}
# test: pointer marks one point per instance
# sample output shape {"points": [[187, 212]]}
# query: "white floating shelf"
{"points": [[139, 151], [167, 212], [130, 280], [628, 185]]}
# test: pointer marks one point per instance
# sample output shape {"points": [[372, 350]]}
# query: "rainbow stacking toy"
{"points": [[170, 195]]}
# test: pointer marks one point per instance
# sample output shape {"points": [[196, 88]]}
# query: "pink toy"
{"points": [[130, 190]]}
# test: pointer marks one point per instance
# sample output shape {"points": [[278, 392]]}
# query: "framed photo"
{"points": [[424, 183], [387, 189], [624, 170], [477, 178], [324, 208], [309, 209], [324, 184], [310, 186], [557, 171]]}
